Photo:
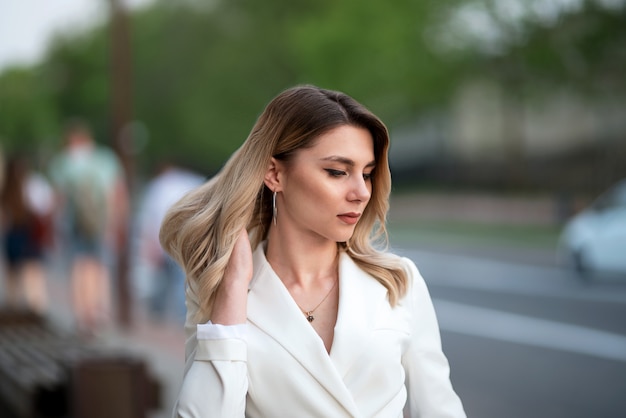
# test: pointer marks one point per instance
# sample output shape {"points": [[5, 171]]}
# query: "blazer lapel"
{"points": [[360, 299], [272, 309]]}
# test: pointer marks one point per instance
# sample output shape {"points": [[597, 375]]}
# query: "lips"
{"points": [[350, 218]]}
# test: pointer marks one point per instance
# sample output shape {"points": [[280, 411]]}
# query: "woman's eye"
{"points": [[367, 176], [335, 173]]}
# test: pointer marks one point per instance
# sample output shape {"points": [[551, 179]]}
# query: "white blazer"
{"points": [[384, 361]]}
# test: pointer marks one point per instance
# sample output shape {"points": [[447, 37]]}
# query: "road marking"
{"points": [[459, 271], [505, 326]]}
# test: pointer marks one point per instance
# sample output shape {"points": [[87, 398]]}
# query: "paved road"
{"points": [[529, 340]]}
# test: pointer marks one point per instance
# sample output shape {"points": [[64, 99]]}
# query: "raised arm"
{"points": [[215, 383]]}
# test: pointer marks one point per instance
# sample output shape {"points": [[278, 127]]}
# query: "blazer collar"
{"points": [[361, 298], [272, 309]]}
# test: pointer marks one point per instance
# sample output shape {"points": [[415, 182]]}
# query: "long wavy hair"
{"points": [[200, 231]]}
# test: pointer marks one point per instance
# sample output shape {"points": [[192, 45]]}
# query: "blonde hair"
{"points": [[200, 230]]}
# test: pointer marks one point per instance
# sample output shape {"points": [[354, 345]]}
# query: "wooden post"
{"points": [[121, 116]]}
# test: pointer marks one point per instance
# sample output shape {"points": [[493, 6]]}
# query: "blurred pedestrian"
{"points": [[27, 205], [2, 167], [163, 279], [295, 308], [93, 202]]}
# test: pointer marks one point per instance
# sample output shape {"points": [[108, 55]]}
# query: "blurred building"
{"points": [[546, 140]]}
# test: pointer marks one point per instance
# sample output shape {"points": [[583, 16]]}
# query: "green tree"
{"points": [[204, 70], [76, 73], [379, 52], [27, 114]]}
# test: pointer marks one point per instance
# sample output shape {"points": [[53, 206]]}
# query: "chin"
{"points": [[343, 238], [341, 234]]}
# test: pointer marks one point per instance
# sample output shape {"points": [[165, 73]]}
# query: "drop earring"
{"points": [[274, 210]]}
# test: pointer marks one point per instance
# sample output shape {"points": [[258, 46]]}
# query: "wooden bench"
{"points": [[45, 372]]}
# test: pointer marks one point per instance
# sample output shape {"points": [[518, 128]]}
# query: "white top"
{"points": [[384, 361], [211, 331]]}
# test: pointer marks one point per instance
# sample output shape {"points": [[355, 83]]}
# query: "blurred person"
{"points": [[27, 205], [2, 175], [165, 280], [2, 168], [295, 307], [93, 202]]}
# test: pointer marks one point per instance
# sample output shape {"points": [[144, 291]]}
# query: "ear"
{"points": [[273, 175]]}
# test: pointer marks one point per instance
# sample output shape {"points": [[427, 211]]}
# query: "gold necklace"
{"points": [[309, 314]]}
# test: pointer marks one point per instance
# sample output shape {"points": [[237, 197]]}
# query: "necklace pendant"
{"points": [[309, 317]]}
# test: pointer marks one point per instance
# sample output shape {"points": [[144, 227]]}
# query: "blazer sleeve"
{"points": [[430, 390], [215, 382]]}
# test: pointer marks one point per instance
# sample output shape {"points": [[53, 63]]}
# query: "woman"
{"points": [[299, 313], [26, 206]]}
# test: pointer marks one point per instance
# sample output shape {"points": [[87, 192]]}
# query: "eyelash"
{"points": [[339, 173], [335, 173]]}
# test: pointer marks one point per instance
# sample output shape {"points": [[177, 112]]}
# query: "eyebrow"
{"points": [[346, 161]]}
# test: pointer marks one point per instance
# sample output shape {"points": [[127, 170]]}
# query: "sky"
{"points": [[26, 26]]}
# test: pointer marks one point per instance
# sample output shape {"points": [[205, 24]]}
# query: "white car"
{"points": [[595, 239]]}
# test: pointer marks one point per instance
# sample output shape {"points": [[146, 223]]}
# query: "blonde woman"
{"points": [[294, 306]]}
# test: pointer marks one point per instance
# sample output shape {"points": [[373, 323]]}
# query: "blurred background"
{"points": [[508, 127]]}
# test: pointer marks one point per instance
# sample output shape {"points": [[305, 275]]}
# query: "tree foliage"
{"points": [[577, 44], [27, 114], [203, 70]]}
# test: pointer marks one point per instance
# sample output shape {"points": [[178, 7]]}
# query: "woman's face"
{"points": [[325, 188]]}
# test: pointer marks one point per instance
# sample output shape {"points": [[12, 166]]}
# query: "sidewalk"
{"points": [[159, 343], [162, 345]]}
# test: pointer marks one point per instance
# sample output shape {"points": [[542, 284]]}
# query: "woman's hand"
{"points": [[232, 294], [239, 267]]}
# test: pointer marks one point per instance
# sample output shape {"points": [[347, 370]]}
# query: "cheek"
{"points": [[315, 194], [318, 196]]}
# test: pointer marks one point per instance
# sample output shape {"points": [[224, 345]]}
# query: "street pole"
{"points": [[121, 116]]}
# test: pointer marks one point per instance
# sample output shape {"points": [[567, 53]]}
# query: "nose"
{"points": [[361, 190]]}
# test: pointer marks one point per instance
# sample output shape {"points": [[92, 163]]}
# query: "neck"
{"points": [[302, 261]]}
